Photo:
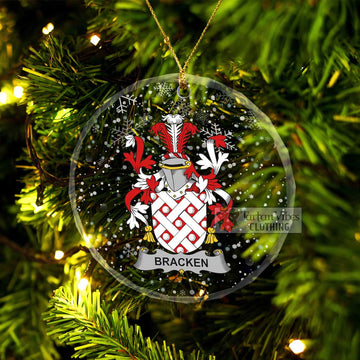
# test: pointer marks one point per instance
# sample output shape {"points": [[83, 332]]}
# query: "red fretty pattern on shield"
{"points": [[179, 225]]}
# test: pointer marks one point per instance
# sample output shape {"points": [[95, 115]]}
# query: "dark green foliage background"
{"points": [[297, 60]]}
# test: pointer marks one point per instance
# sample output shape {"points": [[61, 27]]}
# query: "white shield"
{"points": [[179, 224]]}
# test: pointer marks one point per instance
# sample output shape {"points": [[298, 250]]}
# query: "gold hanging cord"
{"points": [[182, 69]]}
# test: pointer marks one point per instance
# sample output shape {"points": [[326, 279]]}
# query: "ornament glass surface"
{"points": [[164, 188]]}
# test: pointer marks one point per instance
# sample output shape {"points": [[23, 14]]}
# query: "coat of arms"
{"points": [[184, 205]]}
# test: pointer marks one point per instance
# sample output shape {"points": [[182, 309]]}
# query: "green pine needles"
{"points": [[84, 321]]}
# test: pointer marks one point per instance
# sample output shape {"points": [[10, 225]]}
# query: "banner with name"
{"points": [[200, 261]]}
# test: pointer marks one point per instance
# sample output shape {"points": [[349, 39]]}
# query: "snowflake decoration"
{"points": [[216, 130], [251, 119], [180, 107], [129, 251], [119, 133], [164, 89], [124, 102], [202, 116]]}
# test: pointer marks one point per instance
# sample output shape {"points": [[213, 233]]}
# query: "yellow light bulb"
{"points": [[83, 283], [50, 27], [95, 39], [18, 91], [201, 292], [3, 97], [46, 30], [297, 346], [58, 255]]}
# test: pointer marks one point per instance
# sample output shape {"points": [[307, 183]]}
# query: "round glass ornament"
{"points": [[181, 196]]}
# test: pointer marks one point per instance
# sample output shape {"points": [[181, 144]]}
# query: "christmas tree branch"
{"points": [[22, 331], [45, 176], [85, 322], [40, 257], [47, 257]]}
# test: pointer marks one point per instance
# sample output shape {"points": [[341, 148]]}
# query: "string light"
{"points": [[18, 91], [58, 255], [201, 292], [83, 283], [46, 30], [50, 27], [3, 97], [95, 39], [297, 346]]}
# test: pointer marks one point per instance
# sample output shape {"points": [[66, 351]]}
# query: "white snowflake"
{"points": [[216, 130], [124, 102], [128, 250], [251, 120], [164, 89], [202, 116], [180, 107], [120, 132]]}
